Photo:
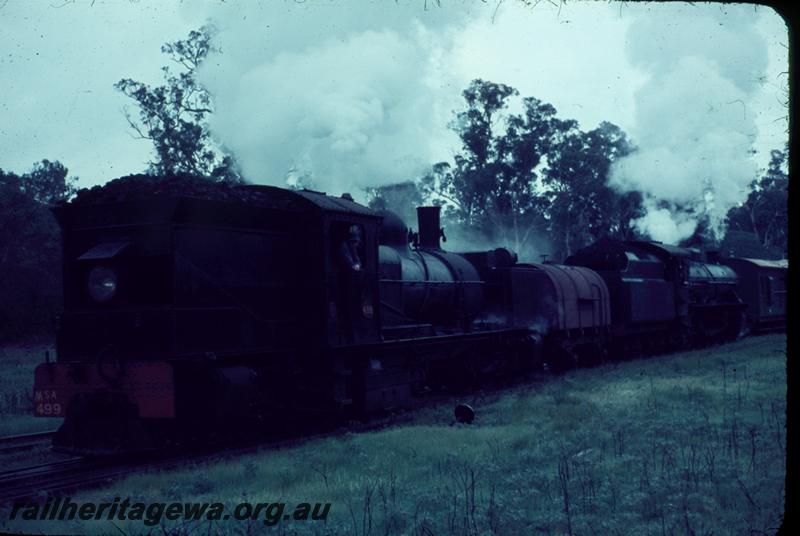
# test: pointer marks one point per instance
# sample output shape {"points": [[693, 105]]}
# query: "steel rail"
{"points": [[23, 441]]}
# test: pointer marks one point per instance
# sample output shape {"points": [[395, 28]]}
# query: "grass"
{"points": [[692, 443], [17, 363]]}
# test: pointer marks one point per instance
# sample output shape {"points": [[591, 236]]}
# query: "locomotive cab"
{"points": [[218, 308]]}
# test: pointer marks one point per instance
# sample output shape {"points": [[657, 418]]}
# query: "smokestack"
{"points": [[429, 229]]}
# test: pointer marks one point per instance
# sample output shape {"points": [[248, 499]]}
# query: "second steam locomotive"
{"points": [[254, 304]]}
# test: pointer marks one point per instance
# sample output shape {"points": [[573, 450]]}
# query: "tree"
{"points": [[746, 244], [174, 116], [30, 250], [47, 182], [402, 198], [491, 188], [521, 177], [518, 207], [474, 180], [582, 207], [765, 213]]}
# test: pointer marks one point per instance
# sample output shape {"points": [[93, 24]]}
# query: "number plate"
{"points": [[47, 404]]}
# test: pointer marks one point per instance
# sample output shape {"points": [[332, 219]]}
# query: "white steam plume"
{"points": [[695, 124], [338, 96]]}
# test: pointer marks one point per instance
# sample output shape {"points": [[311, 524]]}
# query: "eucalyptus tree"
{"points": [[174, 115]]}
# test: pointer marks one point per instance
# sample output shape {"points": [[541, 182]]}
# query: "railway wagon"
{"points": [[762, 287]]}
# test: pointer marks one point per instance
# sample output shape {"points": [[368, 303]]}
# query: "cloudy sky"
{"points": [[355, 93]]}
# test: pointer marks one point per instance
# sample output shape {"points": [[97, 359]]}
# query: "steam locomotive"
{"points": [[191, 307]]}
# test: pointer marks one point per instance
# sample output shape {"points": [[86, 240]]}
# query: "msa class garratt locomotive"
{"points": [[191, 306]]}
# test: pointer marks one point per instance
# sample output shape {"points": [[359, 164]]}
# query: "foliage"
{"points": [[746, 244], [765, 213], [174, 116], [531, 178], [520, 177], [402, 198], [30, 250], [491, 185], [581, 206], [47, 182]]}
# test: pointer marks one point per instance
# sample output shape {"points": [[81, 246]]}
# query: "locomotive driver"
{"points": [[349, 282], [348, 251]]}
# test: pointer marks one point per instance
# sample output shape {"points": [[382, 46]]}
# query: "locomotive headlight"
{"points": [[102, 284]]}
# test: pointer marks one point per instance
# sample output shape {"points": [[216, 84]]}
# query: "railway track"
{"points": [[22, 442], [41, 479], [80, 473]]}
